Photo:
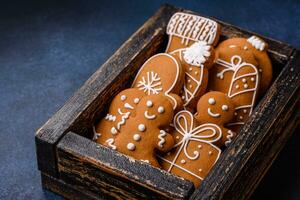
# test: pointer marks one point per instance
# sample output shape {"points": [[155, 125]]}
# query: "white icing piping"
{"points": [[215, 115], [110, 117], [128, 106], [257, 43], [147, 116], [110, 143], [96, 135], [197, 53], [161, 138], [229, 138], [151, 85]]}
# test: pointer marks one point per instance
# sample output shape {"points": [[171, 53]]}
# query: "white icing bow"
{"points": [[197, 53]]}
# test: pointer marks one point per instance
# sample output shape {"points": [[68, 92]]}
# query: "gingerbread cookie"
{"points": [[235, 74], [259, 49], [196, 61], [217, 108], [184, 29], [144, 133], [121, 108], [161, 74], [194, 153]]}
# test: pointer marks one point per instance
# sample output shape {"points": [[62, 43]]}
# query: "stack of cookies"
{"points": [[188, 103]]}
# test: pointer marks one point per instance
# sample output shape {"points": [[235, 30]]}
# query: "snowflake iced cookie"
{"points": [[184, 29], [196, 60], [217, 108], [121, 108], [161, 74], [144, 133], [236, 73], [194, 152]]}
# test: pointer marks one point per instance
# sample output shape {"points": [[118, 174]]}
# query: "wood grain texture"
{"points": [[243, 164], [75, 162], [101, 170]]}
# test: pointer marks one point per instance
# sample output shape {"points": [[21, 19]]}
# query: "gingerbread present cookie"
{"points": [[161, 74], [184, 29], [194, 152], [196, 61], [235, 73], [217, 108], [144, 133], [121, 108]]}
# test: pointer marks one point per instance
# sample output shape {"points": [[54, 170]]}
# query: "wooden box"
{"points": [[72, 165]]}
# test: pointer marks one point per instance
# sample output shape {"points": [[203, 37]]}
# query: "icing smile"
{"points": [[213, 114], [148, 116]]}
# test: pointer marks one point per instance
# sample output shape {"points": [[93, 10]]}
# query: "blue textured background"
{"points": [[47, 50]]}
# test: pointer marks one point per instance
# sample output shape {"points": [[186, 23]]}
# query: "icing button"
{"points": [[183, 161], [142, 127], [241, 117], [235, 113], [191, 69], [245, 111], [211, 101], [123, 98], [113, 131], [252, 79], [199, 146], [200, 170], [246, 86], [130, 146], [160, 109], [244, 80], [237, 86], [136, 137], [210, 153], [136, 100], [149, 104]]}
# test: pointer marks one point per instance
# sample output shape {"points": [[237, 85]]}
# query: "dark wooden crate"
{"points": [[77, 168]]}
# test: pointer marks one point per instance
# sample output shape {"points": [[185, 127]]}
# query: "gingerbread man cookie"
{"points": [[235, 74], [196, 61], [144, 133], [194, 152], [184, 29], [161, 74], [217, 108], [121, 108]]}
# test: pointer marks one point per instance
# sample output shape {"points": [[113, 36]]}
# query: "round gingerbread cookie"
{"points": [[161, 74], [194, 152], [184, 29], [217, 108], [121, 108], [145, 133]]}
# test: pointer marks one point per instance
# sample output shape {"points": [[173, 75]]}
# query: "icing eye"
{"points": [[123, 98], [136, 100], [211, 101], [149, 103], [160, 109], [224, 107]]}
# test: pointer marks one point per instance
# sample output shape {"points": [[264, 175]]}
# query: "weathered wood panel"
{"points": [[101, 170]]}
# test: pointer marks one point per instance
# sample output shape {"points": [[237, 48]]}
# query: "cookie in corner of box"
{"points": [[241, 65], [191, 40], [143, 134], [198, 138], [120, 109]]}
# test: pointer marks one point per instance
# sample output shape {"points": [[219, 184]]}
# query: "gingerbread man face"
{"points": [[156, 110], [215, 107]]}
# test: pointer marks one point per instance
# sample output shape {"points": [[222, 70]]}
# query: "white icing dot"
{"points": [[210, 153], [177, 137], [196, 73], [183, 161], [235, 113], [211, 101], [189, 81], [245, 47], [244, 80], [260, 70], [200, 170], [169, 153], [245, 111], [196, 152], [246, 86], [191, 69], [142, 127], [113, 131], [241, 117], [160, 109], [190, 86], [149, 103], [131, 146], [199, 146], [136, 100], [237, 86], [252, 79], [137, 137], [183, 97], [224, 107], [123, 98]]}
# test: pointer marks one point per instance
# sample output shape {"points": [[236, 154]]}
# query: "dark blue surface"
{"points": [[47, 50]]}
